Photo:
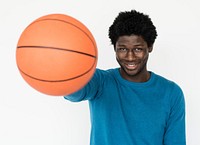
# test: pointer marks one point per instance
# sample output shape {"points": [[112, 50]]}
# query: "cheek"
{"points": [[145, 57], [117, 56]]}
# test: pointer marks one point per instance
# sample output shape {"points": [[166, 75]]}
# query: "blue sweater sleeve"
{"points": [[89, 91], [175, 127]]}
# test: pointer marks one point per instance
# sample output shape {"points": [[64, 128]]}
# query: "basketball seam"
{"points": [[68, 23], [43, 80], [57, 48]]}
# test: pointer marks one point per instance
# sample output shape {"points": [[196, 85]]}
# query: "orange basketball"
{"points": [[56, 54]]}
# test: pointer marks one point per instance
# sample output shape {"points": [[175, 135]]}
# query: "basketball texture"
{"points": [[56, 54]]}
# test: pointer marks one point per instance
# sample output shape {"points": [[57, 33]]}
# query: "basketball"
{"points": [[56, 54]]}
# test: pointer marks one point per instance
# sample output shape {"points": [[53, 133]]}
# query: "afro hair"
{"points": [[132, 23]]}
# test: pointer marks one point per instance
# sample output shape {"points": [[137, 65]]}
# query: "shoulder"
{"points": [[105, 73], [171, 87], [166, 82]]}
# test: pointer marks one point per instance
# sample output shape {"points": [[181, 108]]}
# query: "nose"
{"points": [[130, 56]]}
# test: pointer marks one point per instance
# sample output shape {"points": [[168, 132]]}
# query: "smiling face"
{"points": [[132, 54]]}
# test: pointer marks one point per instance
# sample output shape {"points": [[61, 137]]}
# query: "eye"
{"points": [[138, 49], [122, 49]]}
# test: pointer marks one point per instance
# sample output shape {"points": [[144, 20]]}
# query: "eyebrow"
{"points": [[125, 45]]}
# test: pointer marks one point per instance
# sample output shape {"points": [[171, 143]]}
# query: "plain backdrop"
{"points": [[30, 117]]}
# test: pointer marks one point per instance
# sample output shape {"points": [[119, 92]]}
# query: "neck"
{"points": [[138, 78]]}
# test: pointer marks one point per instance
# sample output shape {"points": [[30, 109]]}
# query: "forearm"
{"points": [[88, 92]]}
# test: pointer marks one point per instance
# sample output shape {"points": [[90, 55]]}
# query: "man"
{"points": [[131, 105]]}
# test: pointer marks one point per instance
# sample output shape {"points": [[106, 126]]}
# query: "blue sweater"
{"points": [[128, 113]]}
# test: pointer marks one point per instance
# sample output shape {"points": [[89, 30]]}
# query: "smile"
{"points": [[131, 66]]}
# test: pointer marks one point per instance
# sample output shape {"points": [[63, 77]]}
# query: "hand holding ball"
{"points": [[56, 55]]}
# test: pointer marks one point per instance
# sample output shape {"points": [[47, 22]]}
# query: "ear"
{"points": [[150, 48]]}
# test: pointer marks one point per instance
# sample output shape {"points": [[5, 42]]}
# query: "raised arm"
{"points": [[89, 91]]}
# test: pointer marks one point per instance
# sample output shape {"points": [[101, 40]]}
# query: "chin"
{"points": [[129, 72], [132, 73]]}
